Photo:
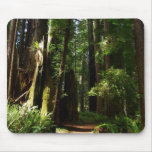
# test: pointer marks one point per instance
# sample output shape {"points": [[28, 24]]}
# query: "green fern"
{"points": [[22, 120]]}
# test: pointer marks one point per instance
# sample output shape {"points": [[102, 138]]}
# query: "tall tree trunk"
{"points": [[107, 58], [28, 42], [19, 83], [25, 72], [92, 70], [139, 44], [48, 90], [21, 45], [56, 110], [98, 62], [82, 91], [69, 104], [10, 40], [39, 28], [13, 68], [75, 56], [48, 93], [107, 66]]}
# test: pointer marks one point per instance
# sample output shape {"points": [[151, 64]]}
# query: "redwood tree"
{"points": [[107, 66], [139, 44], [56, 110], [98, 62], [13, 66], [92, 70], [48, 88], [10, 40], [69, 104], [39, 29]]}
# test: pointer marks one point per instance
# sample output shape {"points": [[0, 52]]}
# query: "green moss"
{"points": [[45, 100], [62, 130], [47, 95], [30, 101]]}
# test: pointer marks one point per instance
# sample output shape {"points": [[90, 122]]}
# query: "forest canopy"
{"points": [[75, 75]]}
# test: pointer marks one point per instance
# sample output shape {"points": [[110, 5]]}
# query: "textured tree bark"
{"points": [[39, 30], [19, 83], [82, 86], [10, 40], [98, 63], [21, 45], [48, 89], [25, 78], [82, 98], [30, 101], [92, 69], [107, 66], [13, 67], [69, 104], [28, 42], [107, 58], [139, 45], [48, 93], [56, 110]]}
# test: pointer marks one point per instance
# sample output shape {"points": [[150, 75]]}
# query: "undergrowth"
{"points": [[89, 117], [116, 124], [24, 120]]}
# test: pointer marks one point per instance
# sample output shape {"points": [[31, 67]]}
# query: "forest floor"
{"points": [[76, 128]]}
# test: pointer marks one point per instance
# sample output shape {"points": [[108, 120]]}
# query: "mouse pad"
{"points": [[75, 76]]}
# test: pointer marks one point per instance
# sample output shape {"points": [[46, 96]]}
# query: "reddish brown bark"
{"points": [[107, 58], [69, 104], [139, 44], [98, 63], [21, 45], [10, 40], [56, 110], [107, 66], [92, 69], [82, 89], [13, 67], [39, 31]]}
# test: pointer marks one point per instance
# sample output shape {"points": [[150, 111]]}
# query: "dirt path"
{"points": [[77, 128]]}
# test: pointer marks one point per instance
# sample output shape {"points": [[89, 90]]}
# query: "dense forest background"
{"points": [[75, 75]]}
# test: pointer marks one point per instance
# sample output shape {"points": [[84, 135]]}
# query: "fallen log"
{"points": [[26, 92]]}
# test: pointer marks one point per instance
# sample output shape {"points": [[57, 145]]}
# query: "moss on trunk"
{"points": [[48, 94], [30, 101]]}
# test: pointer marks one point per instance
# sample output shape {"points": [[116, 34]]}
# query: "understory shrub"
{"points": [[89, 117], [119, 124], [28, 120], [121, 89]]}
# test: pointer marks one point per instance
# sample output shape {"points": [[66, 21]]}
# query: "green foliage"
{"points": [[56, 46], [120, 40], [126, 124], [35, 45], [24, 120], [106, 128], [119, 43], [116, 124], [119, 124], [89, 117], [107, 45], [61, 130], [117, 82], [120, 87]]}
